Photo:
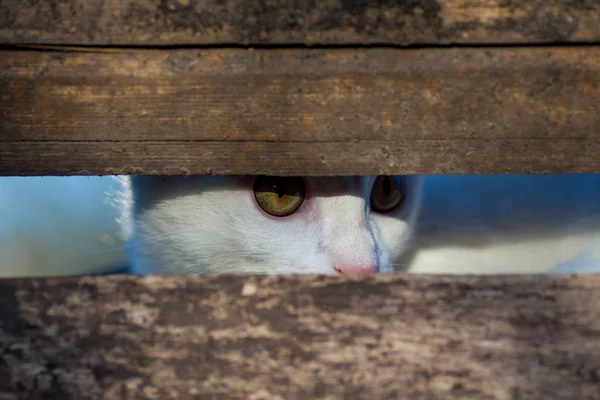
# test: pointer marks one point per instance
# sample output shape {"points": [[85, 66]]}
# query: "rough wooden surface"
{"points": [[369, 157], [260, 111], [385, 337], [175, 22]]}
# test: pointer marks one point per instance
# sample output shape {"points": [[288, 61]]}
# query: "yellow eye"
{"points": [[279, 196], [388, 193]]}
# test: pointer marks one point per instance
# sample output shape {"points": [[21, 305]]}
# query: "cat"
{"points": [[265, 224], [482, 224]]}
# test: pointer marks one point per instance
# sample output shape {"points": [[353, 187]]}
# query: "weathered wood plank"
{"points": [[297, 158], [417, 337], [242, 111], [300, 95], [176, 22]]}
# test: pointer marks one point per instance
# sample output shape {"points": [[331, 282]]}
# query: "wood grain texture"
{"points": [[324, 112], [299, 159], [276, 337], [176, 22]]}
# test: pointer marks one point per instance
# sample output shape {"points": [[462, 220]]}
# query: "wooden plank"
{"points": [[299, 337], [300, 95], [200, 22], [243, 111], [297, 158]]}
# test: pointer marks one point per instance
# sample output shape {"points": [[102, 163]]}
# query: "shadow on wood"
{"points": [[201, 22]]}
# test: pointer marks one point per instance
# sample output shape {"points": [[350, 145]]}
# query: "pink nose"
{"points": [[356, 270]]}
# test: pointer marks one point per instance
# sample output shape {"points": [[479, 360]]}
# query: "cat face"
{"points": [[243, 224]]}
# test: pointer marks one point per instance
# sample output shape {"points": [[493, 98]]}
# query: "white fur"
{"points": [[214, 225]]}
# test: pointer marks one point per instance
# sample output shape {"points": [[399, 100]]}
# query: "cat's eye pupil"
{"points": [[387, 194], [279, 196], [387, 186], [280, 191]]}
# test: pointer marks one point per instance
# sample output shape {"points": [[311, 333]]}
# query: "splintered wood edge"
{"points": [[296, 337], [327, 22], [300, 111]]}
